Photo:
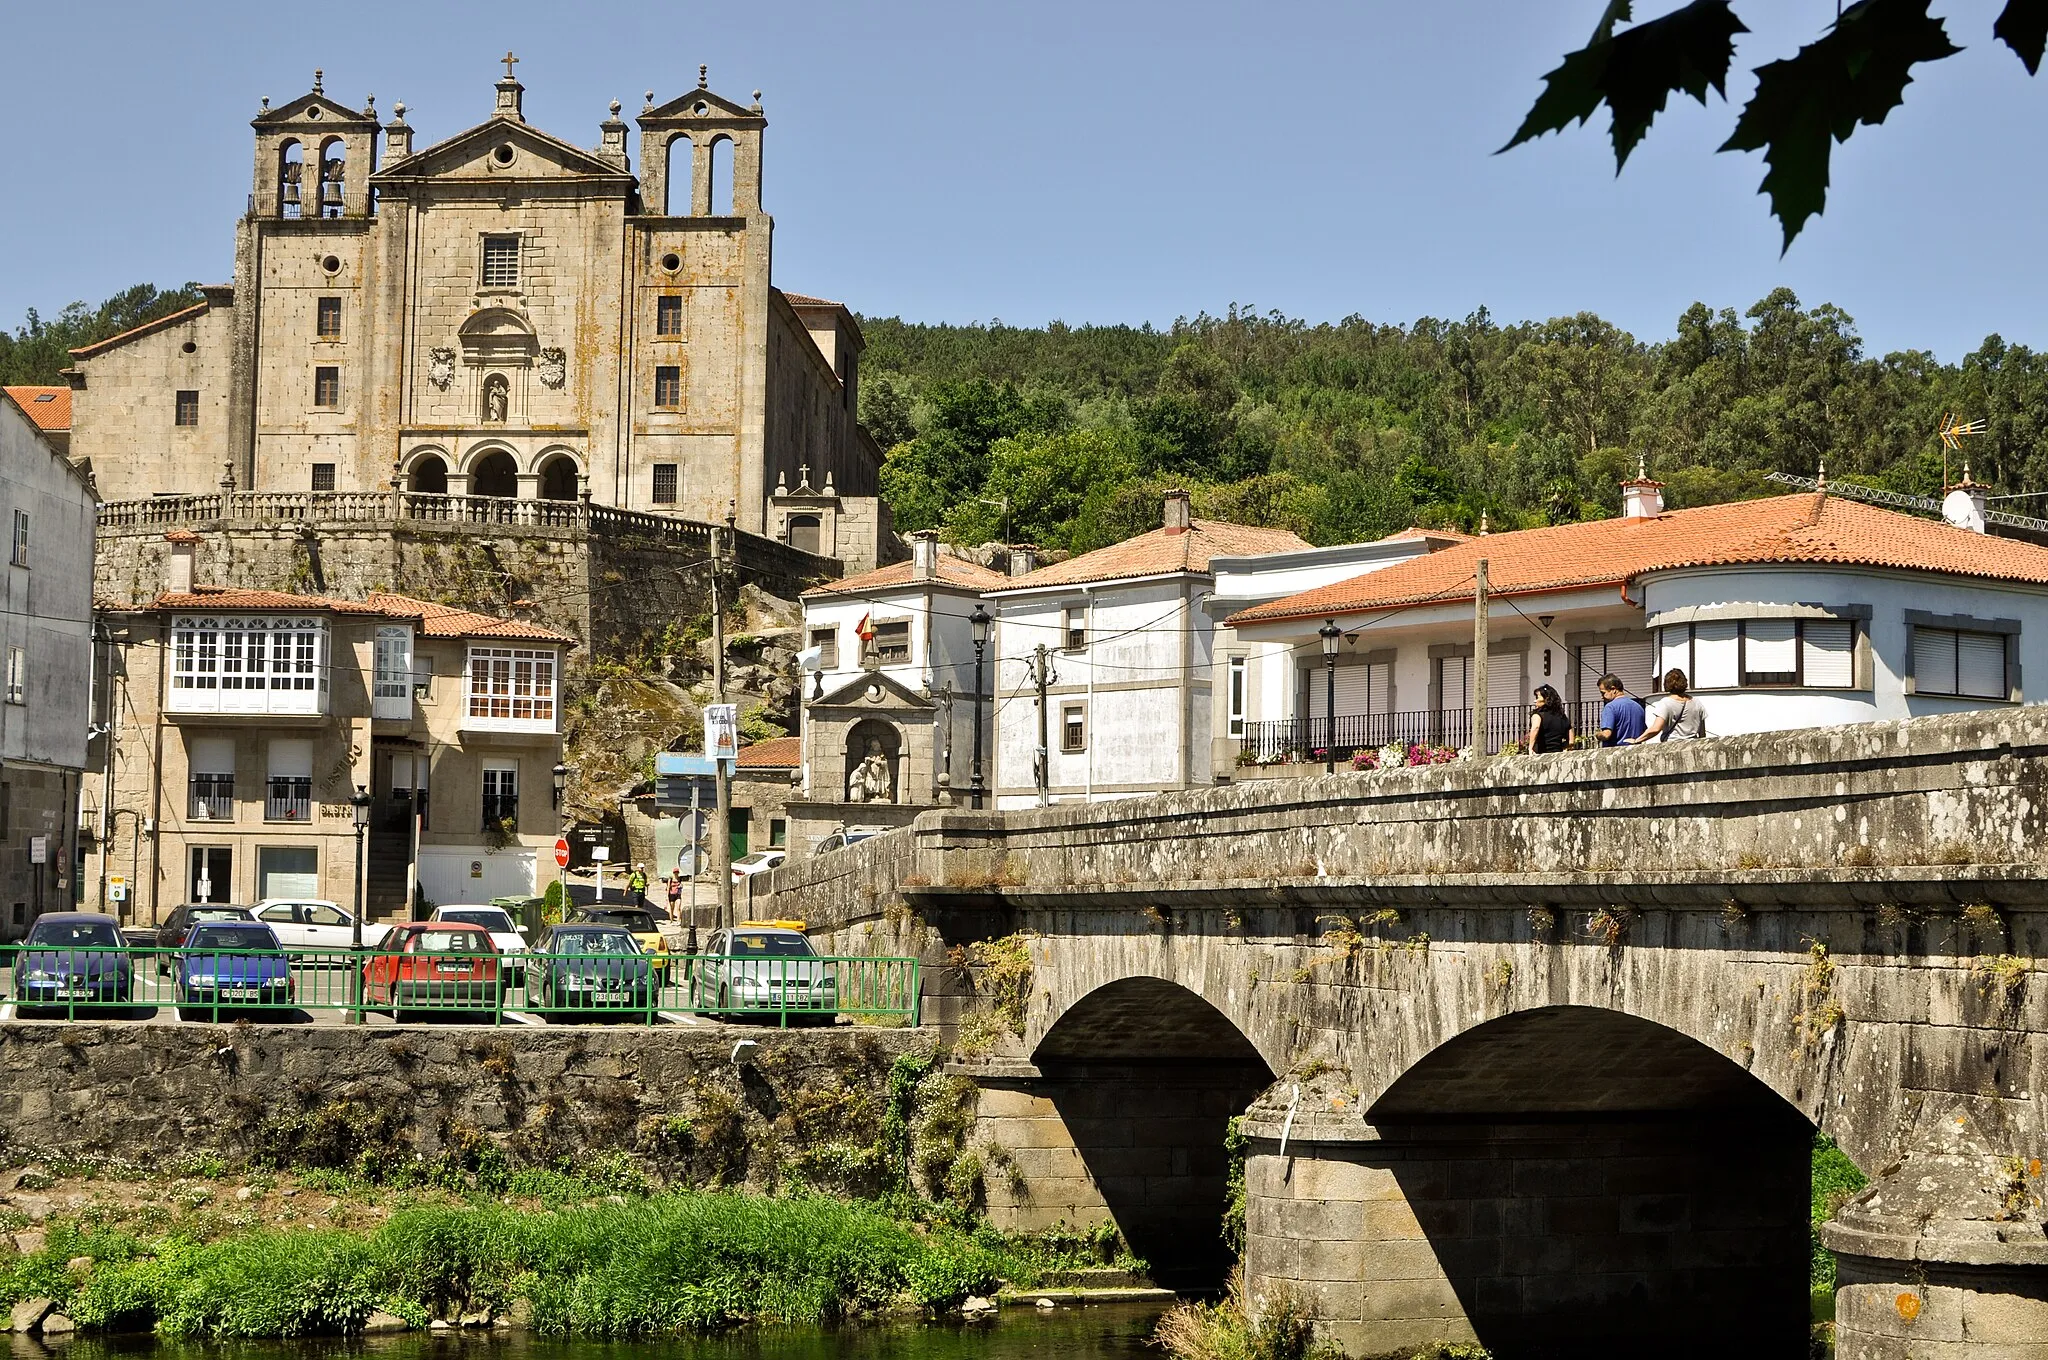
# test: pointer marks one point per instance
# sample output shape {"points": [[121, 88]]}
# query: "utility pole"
{"points": [[721, 831], [1042, 675], [1479, 694]]}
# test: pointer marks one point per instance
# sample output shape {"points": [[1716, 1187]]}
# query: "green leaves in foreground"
{"points": [[1855, 75], [1852, 76]]}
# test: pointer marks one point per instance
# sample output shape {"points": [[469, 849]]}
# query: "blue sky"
{"points": [[1100, 161]]}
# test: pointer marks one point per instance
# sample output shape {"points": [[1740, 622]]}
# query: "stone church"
{"points": [[502, 314]]}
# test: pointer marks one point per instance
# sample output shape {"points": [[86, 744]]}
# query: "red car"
{"points": [[433, 965]]}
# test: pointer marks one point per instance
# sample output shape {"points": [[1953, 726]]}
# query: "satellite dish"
{"points": [[1963, 510], [811, 659]]}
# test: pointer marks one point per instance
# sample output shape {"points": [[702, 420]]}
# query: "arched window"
{"points": [[333, 177], [430, 476], [291, 169], [558, 478], [806, 533], [721, 177], [495, 474], [681, 153]]}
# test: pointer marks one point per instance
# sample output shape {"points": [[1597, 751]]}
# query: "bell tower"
{"points": [[314, 157], [717, 128]]}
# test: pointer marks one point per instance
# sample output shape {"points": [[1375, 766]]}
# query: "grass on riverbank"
{"points": [[630, 1266]]}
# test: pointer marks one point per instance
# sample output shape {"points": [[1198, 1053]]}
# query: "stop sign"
{"points": [[561, 853]]}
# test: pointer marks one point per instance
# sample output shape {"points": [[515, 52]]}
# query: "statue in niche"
{"points": [[870, 780], [497, 398]]}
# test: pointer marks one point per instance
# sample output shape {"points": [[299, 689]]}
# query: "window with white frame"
{"points": [[1959, 663], [1760, 653], [511, 684], [1237, 695], [21, 538], [17, 676], [260, 652], [394, 662], [501, 794], [1074, 727]]}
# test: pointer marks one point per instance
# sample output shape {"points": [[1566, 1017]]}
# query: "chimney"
{"points": [[1023, 559], [1967, 504], [1642, 498], [1177, 518], [924, 555], [178, 566]]}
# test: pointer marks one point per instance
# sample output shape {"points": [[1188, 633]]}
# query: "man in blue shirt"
{"points": [[1621, 717]]}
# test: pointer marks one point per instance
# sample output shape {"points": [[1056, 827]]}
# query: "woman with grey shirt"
{"points": [[1675, 717]]}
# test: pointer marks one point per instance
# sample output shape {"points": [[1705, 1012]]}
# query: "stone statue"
{"points": [[494, 401], [870, 780]]}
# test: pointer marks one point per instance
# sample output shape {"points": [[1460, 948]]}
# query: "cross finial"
{"points": [[703, 75], [509, 60]]}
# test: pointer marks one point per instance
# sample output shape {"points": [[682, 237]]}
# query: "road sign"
{"points": [[117, 887], [561, 853], [38, 849], [600, 853]]}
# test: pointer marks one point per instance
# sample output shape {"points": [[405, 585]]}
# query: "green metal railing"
{"points": [[206, 984]]}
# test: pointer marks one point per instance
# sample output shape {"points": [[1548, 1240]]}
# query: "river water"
{"points": [[1103, 1332]]}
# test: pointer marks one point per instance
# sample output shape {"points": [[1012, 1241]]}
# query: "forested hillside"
{"points": [[1355, 429], [38, 350]]}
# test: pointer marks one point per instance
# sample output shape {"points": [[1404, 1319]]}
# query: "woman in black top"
{"points": [[1550, 727]]}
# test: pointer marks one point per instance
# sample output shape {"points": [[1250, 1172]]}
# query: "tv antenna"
{"points": [[1953, 432]]}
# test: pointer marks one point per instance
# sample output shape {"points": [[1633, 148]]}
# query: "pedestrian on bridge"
{"points": [[1677, 716], [1550, 727], [1621, 713]]}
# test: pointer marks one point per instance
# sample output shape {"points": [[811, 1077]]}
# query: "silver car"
{"points": [[765, 972]]}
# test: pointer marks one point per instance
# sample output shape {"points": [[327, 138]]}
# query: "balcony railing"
{"points": [[1305, 739], [213, 798], [289, 800], [255, 699]]}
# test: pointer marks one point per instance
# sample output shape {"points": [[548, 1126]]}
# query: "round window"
{"points": [[671, 262], [189, 348], [700, 108], [313, 112], [331, 263], [504, 154]]}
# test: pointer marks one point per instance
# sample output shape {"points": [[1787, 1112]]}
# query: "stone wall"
{"points": [[670, 1098]]}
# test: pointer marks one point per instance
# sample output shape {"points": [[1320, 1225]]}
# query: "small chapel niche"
{"points": [[497, 399]]}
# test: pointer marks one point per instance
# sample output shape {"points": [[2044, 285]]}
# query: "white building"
{"points": [[46, 650], [905, 693], [1127, 643], [1795, 611]]}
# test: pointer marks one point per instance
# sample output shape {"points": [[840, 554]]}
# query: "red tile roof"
{"points": [[133, 332], [48, 407], [804, 300], [953, 571], [779, 753], [434, 620], [1159, 552], [1806, 528]]}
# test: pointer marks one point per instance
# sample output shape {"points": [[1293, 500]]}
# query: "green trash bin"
{"points": [[524, 911]]}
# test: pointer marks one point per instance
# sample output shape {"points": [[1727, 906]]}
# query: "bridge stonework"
{"points": [[1530, 1050]]}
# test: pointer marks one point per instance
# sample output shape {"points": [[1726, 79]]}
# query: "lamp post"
{"points": [[561, 773], [1331, 634], [979, 621], [359, 803]]}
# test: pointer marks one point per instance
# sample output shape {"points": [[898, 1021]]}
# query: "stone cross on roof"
{"points": [[508, 59]]}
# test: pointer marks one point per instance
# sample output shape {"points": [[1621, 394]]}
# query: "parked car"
{"points": [[760, 862], [439, 965], [231, 963], [73, 958], [638, 922], [841, 837], [589, 970], [172, 930], [504, 933], [762, 970], [310, 923]]}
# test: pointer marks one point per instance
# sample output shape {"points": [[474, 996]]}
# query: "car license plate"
{"points": [[74, 989], [451, 968], [240, 993], [611, 996]]}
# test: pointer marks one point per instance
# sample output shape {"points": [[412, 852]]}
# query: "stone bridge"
{"points": [[1529, 1050]]}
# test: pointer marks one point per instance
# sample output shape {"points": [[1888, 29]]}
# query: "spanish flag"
{"points": [[865, 629]]}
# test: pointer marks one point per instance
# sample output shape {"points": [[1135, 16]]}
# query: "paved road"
{"points": [[155, 1003]]}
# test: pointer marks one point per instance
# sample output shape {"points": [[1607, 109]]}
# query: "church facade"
{"points": [[502, 314]]}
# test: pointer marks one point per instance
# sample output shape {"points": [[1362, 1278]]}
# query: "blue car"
{"points": [[73, 958], [231, 963]]}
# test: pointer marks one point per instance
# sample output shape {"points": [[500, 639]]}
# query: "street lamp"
{"points": [[359, 803], [561, 773], [1331, 634], [979, 621]]}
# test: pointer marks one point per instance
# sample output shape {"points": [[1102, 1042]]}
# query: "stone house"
{"points": [[1807, 610], [763, 781], [500, 314], [1128, 649], [892, 698], [245, 720], [47, 662]]}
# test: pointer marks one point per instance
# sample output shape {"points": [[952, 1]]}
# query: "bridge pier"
{"points": [[1617, 1235]]}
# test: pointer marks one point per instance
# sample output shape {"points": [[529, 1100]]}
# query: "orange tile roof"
{"points": [[224, 597], [953, 571], [87, 351], [1805, 528], [778, 753], [48, 407], [804, 300], [1159, 552], [445, 621]]}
